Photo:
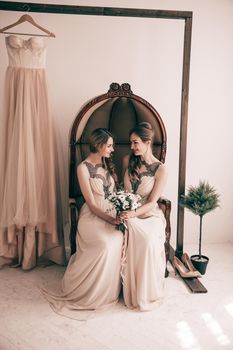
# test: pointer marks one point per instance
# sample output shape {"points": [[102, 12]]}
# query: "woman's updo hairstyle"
{"points": [[98, 138], [145, 131]]}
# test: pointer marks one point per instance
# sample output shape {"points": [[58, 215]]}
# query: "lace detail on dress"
{"points": [[26, 53], [93, 174], [150, 171]]}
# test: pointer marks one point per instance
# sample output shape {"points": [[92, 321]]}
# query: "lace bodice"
{"points": [[145, 182], [101, 181], [144, 186], [26, 53]]}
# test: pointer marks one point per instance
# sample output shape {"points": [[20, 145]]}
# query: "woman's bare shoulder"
{"points": [[162, 170], [82, 167]]}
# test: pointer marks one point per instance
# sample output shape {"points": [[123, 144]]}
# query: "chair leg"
{"points": [[167, 253], [165, 206]]}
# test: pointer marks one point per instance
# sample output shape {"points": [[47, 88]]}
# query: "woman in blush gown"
{"points": [[31, 224], [145, 262], [92, 278]]}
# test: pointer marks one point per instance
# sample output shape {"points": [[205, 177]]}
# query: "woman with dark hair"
{"points": [[144, 269], [92, 278]]}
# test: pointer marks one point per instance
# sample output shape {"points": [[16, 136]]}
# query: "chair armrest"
{"points": [[165, 206], [164, 201]]}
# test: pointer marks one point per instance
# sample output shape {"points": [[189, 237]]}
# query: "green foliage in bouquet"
{"points": [[200, 200]]}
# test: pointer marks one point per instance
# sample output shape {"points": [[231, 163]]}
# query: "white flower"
{"points": [[125, 200], [134, 206]]}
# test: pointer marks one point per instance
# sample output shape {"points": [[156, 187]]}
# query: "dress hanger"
{"points": [[27, 18]]}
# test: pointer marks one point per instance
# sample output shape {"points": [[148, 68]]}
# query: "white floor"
{"points": [[183, 321]]}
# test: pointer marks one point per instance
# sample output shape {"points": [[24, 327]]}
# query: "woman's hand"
{"points": [[114, 221], [128, 214]]}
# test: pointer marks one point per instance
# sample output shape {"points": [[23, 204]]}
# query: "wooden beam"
{"points": [[93, 11]]}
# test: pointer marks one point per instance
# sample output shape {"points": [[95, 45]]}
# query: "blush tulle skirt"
{"points": [[31, 215]]}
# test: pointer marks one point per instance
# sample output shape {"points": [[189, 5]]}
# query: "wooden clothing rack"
{"points": [[186, 16]]}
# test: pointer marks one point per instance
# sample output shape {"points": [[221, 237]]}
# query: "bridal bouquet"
{"points": [[124, 201]]}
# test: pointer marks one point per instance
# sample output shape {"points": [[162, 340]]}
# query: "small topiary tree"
{"points": [[200, 200]]}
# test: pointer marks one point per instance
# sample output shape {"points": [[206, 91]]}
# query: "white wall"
{"points": [[90, 52]]}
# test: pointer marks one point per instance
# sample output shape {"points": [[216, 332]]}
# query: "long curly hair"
{"points": [[99, 137], [145, 131]]}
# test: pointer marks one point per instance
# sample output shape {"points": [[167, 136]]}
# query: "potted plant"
{"points": [[200, 200]]}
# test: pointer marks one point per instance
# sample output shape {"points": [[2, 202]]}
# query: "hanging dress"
{"points": [[31, 228]]}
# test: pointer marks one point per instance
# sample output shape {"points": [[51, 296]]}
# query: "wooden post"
{"points": [[183, 133]]}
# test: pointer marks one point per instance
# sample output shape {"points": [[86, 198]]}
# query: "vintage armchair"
{"points": [[117, 110]]}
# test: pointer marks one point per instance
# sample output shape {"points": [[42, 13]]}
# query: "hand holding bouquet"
{"points": [[124, 201]]}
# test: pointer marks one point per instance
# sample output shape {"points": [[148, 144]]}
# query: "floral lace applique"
{"points": [[150, 171], [93, 174]]}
